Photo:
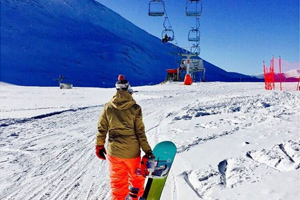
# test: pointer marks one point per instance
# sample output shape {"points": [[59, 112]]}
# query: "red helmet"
{"points": [[121, 77]]}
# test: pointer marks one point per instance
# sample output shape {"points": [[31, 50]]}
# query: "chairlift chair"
{"points": [[169, 33], [197, 63], [168, 30], [156, 8], [195, 49], [193, 8], [194, 35]]}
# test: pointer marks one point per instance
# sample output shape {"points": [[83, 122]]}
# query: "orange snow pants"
{"points": [[123, 178]]}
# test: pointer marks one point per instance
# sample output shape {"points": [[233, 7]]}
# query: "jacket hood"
{"points": [[122, 100]]}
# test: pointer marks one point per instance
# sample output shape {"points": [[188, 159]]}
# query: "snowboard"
{"points": [[164, 153]]}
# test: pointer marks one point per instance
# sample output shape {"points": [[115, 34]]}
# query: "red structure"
{"points": [[172, 71], [188, 80], [282, 75], [172, 75], [269, 75]]}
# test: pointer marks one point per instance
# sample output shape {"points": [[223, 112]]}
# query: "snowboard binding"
{"points": [[147, 165], [149, 168]]}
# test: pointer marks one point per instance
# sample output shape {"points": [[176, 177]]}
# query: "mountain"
{"points": [[289, 76], [85, 42]]}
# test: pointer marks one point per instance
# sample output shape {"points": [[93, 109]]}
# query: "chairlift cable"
{"points": [[170, 26], [197, 23]]}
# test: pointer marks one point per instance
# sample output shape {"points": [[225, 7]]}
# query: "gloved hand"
{"points": [[144, 168], [150, 155], [147, 162], [100, 151]]}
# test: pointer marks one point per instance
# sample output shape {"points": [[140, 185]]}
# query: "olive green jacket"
{"points": [[122, 119]]}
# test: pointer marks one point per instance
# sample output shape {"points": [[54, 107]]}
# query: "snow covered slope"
{"points": [[236, 141], [84, 41], [289, 76]]}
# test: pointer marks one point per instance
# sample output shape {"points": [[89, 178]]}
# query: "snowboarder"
{"points": [[121, 118]]}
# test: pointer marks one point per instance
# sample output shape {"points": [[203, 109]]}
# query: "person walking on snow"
{"points": [[121, 118]]}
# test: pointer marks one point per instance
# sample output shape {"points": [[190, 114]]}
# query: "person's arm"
{"points": [[102, 128], [140, 130]]}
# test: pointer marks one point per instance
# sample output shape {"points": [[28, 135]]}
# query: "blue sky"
{"points": [[235, 35]]}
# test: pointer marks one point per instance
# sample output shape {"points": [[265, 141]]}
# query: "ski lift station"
{"points": [[190, 65]]}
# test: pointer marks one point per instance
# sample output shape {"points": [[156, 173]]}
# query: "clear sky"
{"points": [[236, 35]]}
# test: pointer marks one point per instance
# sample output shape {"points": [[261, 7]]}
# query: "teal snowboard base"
{"points": [[164, 153]]}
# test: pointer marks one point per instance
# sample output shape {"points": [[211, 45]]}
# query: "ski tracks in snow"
{"points": [[251, 168], [281, 157], [52, 157], [256, 112], [233, 117]]}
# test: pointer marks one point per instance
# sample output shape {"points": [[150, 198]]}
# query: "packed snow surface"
{"points": [[234, 140]]}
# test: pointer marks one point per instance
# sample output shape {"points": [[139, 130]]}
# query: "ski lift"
{"points": [[194, 35], [196, 64], [195, 49], [193, 8], [156, 8], [169, 33]]}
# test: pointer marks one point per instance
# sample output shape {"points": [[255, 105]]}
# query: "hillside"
{"points": [[289, 76], [85, 42]]}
